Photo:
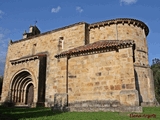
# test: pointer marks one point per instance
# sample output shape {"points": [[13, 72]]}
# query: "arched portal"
{"points": [[29, 94], [22, 88]]}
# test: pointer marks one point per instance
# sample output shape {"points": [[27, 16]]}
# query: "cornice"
{"points": [[123, 21], [26, 59]]}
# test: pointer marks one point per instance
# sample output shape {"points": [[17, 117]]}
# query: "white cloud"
{"points": [[1, 36], [79, 9], [127, 2], [3, 42], [1, 13], [55, 10]]}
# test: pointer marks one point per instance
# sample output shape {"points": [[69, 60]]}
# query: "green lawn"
{"points": [[7, 113]]}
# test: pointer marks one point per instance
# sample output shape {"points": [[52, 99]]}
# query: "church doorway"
{"points": [[29, 94], [22, 89]]}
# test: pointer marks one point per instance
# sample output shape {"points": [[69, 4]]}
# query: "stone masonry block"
{"points": [[129, 98], [60, 101]]}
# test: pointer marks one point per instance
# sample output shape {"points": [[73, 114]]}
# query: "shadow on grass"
{"points": [[13, 113]]}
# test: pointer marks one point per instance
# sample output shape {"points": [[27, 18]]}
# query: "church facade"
{"points": [[100, 65]]}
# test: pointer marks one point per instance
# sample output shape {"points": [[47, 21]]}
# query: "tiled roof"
{"points": [[107, 45]]}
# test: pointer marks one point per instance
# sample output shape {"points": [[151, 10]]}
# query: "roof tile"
{"points": [[96, 46]]}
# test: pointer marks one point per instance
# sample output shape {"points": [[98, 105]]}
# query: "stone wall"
{"points": [[47, 43], [102, 77], [12, 70], [123, 31]]}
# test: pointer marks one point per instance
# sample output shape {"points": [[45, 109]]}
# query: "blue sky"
{"points": [[17, 15]]}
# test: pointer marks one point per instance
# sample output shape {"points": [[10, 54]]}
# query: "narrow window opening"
{"points": [[61, 43]]}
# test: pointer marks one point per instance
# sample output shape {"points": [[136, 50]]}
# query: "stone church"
{"points": [[81, 67]]}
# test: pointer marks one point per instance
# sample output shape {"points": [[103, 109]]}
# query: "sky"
{"points": [[17, 15]]}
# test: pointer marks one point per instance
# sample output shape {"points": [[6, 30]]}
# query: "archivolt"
{"points": [[21, 71], [19, 85]]}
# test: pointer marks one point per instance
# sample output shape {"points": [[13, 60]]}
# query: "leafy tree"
{"points": [[156, 75]]}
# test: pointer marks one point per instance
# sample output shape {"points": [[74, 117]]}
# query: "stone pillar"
{"points": [[18, 95], [13, 95], [24, 97], [42, 81]]}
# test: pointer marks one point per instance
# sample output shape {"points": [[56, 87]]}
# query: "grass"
{"points": [[13, 113]]}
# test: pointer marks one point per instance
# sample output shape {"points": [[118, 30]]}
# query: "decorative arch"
{"points": [[21, 70], [22, 87]]}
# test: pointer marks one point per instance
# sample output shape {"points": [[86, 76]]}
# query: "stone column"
{"points": [[24, 96]]}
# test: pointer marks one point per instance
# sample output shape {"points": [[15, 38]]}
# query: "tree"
{"points": [[156, 75]]}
